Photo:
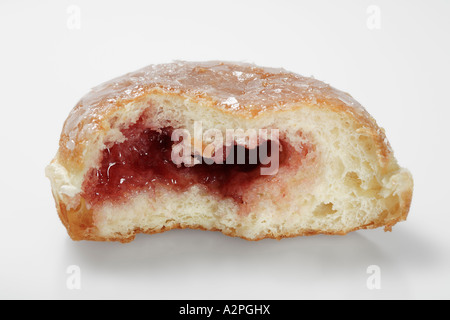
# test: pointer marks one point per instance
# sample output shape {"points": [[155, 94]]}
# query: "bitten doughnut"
{"points": [[250, 151]]}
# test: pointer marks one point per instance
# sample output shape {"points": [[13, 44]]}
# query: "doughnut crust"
{"points": [[339, 172]]}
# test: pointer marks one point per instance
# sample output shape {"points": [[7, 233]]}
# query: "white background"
{"points": [[399, 72]]}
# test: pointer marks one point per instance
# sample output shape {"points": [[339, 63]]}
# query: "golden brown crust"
{"points": [[85, 233], [78, 222], [244, 90]]}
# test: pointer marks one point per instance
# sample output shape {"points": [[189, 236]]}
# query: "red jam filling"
{"points": [[143, 161]]}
